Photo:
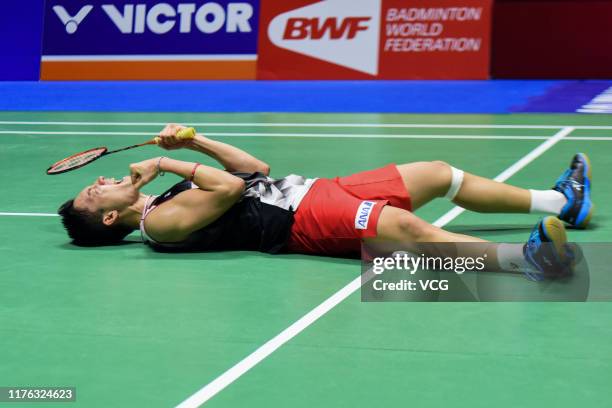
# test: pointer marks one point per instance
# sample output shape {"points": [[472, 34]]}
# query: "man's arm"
{"points": [[230, 157], [194, 209]]}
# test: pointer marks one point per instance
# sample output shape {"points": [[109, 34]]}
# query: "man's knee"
{"points": [[442, 177], [415, 228], [449, 179], [441, 165]]}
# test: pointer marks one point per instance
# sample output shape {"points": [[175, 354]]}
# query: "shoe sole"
{"points": [[554, 230], [587, 218], [588, 162]]}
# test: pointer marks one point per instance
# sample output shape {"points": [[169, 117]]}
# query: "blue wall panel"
{"points": [[21, 39]]}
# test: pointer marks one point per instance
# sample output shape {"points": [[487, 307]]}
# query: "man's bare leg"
{"points": [[398, 229], [401, 230], [428, 180]]}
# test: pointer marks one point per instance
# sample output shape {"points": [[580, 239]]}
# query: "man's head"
{"points": [[96, 215]]}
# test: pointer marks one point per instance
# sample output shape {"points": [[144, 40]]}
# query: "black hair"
{"points": [[87, 229]]}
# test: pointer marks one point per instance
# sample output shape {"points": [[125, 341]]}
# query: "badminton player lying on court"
{"points": [[242, 208]]}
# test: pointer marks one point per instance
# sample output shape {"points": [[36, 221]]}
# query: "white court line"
{"points": [[21, 214], [231, 375], [70, 132], [314, 135], [604, 138], [333, 125]]}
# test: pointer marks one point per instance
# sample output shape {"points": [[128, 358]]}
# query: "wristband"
{"points": [[159, 170], [195, 167]]}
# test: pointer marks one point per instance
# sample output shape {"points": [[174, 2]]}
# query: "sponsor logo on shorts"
{"points": [[363, 214]]}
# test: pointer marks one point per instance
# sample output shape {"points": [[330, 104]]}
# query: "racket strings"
{"points": [[77, 160]]}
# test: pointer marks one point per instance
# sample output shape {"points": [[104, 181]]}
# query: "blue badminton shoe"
{"points": [[575, 185], [547, 251]]}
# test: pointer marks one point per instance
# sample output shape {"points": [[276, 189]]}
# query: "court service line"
{"points": [[235, 372], [332, 125], [261, 134], [22, 214], [315, 135]]}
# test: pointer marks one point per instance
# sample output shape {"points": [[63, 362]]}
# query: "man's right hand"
{"points": [[168, 139], [144, 172]]}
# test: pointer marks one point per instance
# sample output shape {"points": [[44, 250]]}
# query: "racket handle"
{"points": [[183, 134]]}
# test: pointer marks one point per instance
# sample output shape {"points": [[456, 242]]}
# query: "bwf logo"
{"points": [[315, 28], [71, 23], [343, 32]]}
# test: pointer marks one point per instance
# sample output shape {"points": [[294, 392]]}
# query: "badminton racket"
{"points": [[84, 158]]}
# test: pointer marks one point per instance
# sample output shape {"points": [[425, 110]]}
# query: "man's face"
{"points": [[107, 194]]}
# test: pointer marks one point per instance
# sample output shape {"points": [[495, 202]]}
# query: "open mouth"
{"points": [[110, 181]]}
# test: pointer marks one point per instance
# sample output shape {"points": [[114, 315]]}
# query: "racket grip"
{"points": [[183, 134], [187, 133]]}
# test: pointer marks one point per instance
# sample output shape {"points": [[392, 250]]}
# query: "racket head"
{"points": [[76, 161]]}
